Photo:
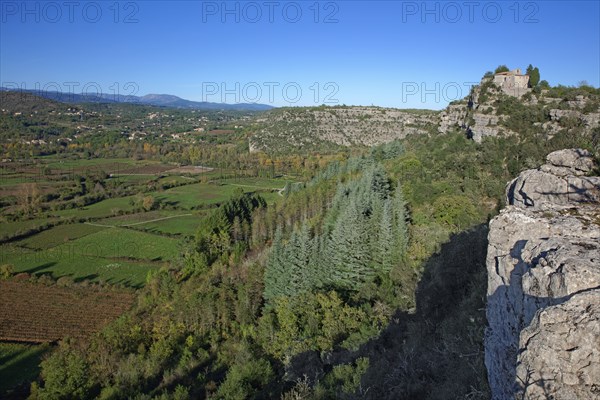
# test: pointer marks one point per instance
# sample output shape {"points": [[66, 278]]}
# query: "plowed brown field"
{"points": [[37, 313]]}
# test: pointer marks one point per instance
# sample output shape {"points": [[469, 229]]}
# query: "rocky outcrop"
{"points": [[544, 284], [477, 114], [453, 117], [559, 182], [481, 114]]}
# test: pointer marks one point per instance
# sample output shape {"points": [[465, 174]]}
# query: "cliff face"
{"points": [[491, 111], [305, 128], [543, 266]]}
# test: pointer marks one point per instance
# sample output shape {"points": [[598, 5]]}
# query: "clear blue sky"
{"points": [[398, 54]]}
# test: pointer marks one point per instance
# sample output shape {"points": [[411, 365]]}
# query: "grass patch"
{"points": [[183, 225], [19, 364], [105, 208], [124, 243], [205, 194], [195, 195], [58, 235], [128, 219], [12, 228], [79, 263], [259, 183]]}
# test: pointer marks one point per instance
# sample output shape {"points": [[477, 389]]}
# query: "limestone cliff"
{"points": [[306, 128], [490, 111], [543, 266]]}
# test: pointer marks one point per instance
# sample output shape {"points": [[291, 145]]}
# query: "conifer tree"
{"points": [[349, 249], [400, 222], [384, 249], [275, 271]]}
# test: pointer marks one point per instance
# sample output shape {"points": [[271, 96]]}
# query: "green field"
{"points": [[188, 196], [19, 364], [186, 225], [105, 208], [128, 219], [11, 181], [108, 246], [194, 195], [124, 243], [259, 183], [161, 222], [12, 228], [58, 235], [108, 165], [72, 261]]}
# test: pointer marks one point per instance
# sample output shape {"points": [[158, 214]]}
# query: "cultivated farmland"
{"points": [[36, 313], [130, 221]]}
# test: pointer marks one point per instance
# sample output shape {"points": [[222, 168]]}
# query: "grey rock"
{"points": [[578, 160], [560, 358], [543, 287], [560, 182]]}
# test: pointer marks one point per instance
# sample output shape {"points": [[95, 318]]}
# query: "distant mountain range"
{"points": [[161, 100]]}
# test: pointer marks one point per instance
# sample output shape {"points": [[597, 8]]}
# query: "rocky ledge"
{"points": [[543, 263]]}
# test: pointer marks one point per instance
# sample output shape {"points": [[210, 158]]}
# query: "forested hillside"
{"points": [[318, 272], [365, 282]]}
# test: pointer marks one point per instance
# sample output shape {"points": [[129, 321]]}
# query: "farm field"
{"points": [[190, 196], [125, 243], [58, 235], [196, 195], [16, 227], [77, 263], [115, 240], [35, 313], [171, 222], [138, 218], [101, 209], [19, 364], [185, 225], [261, 183]]}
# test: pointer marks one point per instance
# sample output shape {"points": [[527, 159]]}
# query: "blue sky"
{"points": [[388, 53]]}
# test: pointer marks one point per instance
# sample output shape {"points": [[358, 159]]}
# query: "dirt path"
{"points": [[279, 191], [139, 223]]}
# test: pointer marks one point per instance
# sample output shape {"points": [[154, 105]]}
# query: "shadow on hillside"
{"points": [[437, 351], [89, 277], [40, 268]]}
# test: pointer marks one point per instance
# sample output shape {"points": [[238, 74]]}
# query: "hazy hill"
{"points": [[162, 100], [25, 116], [23, 102]]}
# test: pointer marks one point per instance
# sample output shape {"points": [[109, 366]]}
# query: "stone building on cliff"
{"points": [[513, 82]]}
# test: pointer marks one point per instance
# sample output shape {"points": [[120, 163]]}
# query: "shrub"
{"points": [[6, 271]]}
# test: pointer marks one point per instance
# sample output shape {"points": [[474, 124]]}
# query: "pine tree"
{"points": [[400, 222], [349, 248], [297, 258], [380, 184], [384, 249], [274, 277], [534, 75], [319, 262]]}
